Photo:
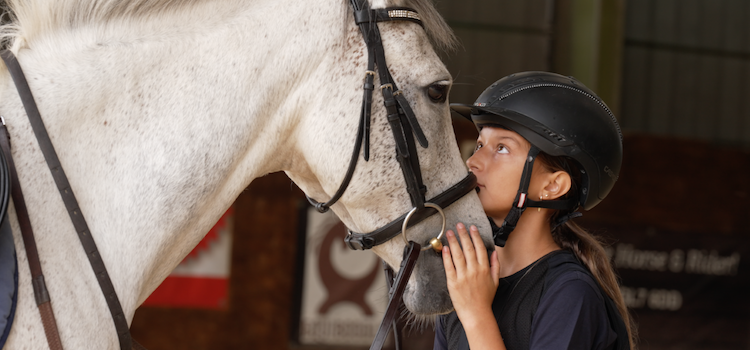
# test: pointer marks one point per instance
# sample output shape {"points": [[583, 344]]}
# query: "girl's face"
{"points": [[498, 163]]}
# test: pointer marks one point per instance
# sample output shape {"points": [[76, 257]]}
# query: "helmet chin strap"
{"points": [[500, 233]]}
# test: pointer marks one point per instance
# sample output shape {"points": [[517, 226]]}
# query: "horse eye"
{"points": [[438, 92]]}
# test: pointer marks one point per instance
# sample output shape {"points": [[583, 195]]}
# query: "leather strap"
{"points": [[500, 234], [27, 233], [71, 204], [411, 253], [561, 204], [362, 131], [401, 124], [5, 181], [389, 278], [362, 241]]}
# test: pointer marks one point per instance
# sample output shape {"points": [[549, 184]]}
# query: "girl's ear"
{"points": [[558, 184]]}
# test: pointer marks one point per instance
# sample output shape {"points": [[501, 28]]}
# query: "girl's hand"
{"points": [[472, 278]]}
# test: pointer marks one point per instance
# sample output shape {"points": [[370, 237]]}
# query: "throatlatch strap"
{"points": [[71, 204]]}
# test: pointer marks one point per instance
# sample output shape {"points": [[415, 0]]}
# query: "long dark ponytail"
{"points": [[588, 248]]}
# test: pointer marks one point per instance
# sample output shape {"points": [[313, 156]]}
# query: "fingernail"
{"points": [[449, 233], [460, 225], [473, 228]]}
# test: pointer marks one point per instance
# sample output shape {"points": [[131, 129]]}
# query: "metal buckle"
{"points": [[442, 230]]}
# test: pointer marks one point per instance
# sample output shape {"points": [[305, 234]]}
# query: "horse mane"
{"points": [[33, 18]]}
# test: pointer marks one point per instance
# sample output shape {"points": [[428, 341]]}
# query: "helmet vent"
{"points": [[554, 135], [592, 97]]}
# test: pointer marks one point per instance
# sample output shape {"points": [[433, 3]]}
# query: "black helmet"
{"points": [[561, 117]]}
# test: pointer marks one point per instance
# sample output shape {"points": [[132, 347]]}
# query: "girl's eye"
{"points": [[502, 149], [479, 145]]}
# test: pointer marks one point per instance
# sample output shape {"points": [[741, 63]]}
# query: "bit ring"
{"points": [[414, 210]]}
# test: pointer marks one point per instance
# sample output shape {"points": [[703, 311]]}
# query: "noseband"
{"points": [[405, 128]]}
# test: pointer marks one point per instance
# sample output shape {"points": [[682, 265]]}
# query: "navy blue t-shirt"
{"points": [[571, 313]]}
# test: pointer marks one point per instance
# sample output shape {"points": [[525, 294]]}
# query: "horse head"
{"points": [[377, 194]]}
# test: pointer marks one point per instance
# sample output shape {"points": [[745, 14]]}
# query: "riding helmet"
{"points": [[561, 117]]}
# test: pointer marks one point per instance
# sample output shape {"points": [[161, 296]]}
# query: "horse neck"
{"points": [[158, 135]]}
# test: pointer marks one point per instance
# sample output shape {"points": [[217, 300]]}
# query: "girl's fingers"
{"points": [[495, 268], [467, 245], [458, 257], [450, 271], [481, 251]]}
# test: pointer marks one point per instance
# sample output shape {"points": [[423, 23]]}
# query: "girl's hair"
{"points": [[587, 247]]}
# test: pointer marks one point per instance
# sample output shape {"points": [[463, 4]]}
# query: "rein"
{"points": [[71, 204]]}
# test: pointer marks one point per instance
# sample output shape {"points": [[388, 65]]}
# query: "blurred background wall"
{"points": [[677, 75]]}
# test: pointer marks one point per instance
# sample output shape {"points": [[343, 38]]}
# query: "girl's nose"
{"points": [[473, 163]]}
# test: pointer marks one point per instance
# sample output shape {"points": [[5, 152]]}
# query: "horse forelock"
{"points": [[439, 32], [437, 29]]}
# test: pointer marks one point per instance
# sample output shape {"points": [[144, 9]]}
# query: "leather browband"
{"points": [[387, 14], [362, 241]]}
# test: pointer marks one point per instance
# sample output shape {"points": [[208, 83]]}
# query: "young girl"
{"points": [[550, 284]]}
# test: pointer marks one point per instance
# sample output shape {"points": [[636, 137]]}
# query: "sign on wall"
{"points": [[201, 280], [685, 289], [344, 294]]}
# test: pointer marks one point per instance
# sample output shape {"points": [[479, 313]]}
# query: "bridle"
{"points": [[405, 128]]}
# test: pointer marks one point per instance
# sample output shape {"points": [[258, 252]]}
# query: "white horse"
{"points": [[162, 112]]}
